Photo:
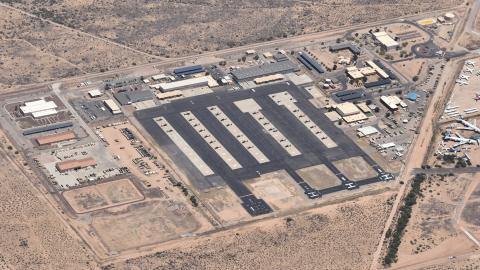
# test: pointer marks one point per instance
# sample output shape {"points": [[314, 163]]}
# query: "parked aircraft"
{"points": [[464, 77], [468, 126], [461, 82], [469, 70], [460, 140], [470, 63]]}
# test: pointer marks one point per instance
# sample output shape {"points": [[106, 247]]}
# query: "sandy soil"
{"points": [[319, 177], [279, 190], [34, 51], [339, 236], [225, 204], [31, 233], [412, 68], [355, 168], [169, 29], [102, 195], [432, 231]]}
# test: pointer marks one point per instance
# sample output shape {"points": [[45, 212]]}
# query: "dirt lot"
{"points": [[341, 236], [165, 29], [226, 205], [103, 195], [319, 177], [433, 231], [412, 68], [355, 168], [32, 234], [35, 51], [278, 189], [144, 223]]}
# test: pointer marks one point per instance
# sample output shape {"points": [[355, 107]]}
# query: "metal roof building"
{"points": [[188, 70], [112, 106], [345, 46], [310, 63], [129, 97], [366, 131], [95, 93], [387, 42], [57, 137], [264, 70], [75, 164], [188, 83], [347, 108], [39, 108], [47, 128]]}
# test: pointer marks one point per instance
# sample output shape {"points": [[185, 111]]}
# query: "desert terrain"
{"points": [[33, 236], [343, 236], [78, 37]]}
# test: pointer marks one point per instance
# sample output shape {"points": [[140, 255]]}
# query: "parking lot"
{"points": [[269, 128]]}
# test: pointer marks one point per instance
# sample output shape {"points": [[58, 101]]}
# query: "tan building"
{"points": [[54, 138], [346, 109], [75, 164]]}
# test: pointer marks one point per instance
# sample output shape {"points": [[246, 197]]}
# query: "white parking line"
{"points": [[238, 134], [183, 146], [208, 137]]}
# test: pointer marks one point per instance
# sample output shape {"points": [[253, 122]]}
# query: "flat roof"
{"points": [[170, 86], [269, 78], [385, 39], [44, 113], [75, 164], [378, 69], [368, 130], [345, 46], [129, 97], [95, 93], [393, 102], [347, 108], [47, 128], [38, 105], [112, 105], [355, 74], [171, 94], [355, 117], [264, 70], [58, 137]]}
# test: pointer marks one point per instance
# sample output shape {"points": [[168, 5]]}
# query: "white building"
{"points": [[385, 40], [112, 106], [39, 108], [392, 102], [188, 83], [95, 93]]}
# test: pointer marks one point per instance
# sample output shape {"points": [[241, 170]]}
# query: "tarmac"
{"points": [[313, 152]]}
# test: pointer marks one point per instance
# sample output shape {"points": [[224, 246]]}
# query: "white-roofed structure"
{"points": [[39, 108], [159, 77], [188, 83], [112, 106], [387, 145], [366, 131], [95, 93], [380, 71], [385, 40], [393, 102]]}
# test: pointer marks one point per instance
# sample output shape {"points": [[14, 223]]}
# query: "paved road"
{"points": [[422, 141], [163, 62]]}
